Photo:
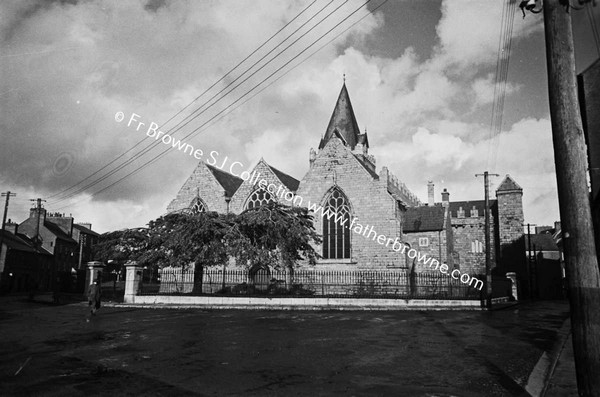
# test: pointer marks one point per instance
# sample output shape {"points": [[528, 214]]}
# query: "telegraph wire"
{"points": [[155, 143], [173, 130], [193, 132], [198, 97]]}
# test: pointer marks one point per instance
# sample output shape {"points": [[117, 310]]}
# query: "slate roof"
{"points": [[342, 120], [20, 242], [541, 242], [85, 230], [424, 219], [54, 229], [289, 181], [361, 160], [508, 184], [467, 206], [230, 183]]}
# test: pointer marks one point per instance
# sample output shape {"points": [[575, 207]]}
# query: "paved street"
{"points": [[125, 351]]}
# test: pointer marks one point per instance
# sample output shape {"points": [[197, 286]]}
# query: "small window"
{"points": [[423, 242], [51, 243], [477, 247]]}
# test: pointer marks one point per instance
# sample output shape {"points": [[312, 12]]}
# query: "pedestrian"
{"points": [[94, 297]]}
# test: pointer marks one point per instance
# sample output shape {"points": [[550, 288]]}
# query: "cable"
{"points": [[198, 97], [156, 143], [230, 105], [178, 127]]}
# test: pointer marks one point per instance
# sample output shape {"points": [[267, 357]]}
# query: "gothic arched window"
{"points": [[198, 206], [336, 229], [258, 198]]}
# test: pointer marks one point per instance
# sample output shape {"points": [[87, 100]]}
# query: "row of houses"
{"points": [[46, 251]]}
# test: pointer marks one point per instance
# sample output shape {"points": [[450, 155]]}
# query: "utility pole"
{"points": [[530, 260], [488, 252], [570, 157], [8, 195], [37, 223]]}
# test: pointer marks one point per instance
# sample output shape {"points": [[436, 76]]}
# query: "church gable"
{"points": [[265, 183], [204, 185]]}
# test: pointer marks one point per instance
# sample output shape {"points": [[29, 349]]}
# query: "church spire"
{"points": [[343, 121]]}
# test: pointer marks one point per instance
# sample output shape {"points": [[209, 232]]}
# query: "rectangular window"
{"points": [[477, 247], [423, 242]]}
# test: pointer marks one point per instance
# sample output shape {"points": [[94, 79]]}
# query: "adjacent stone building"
{"points": [[343, 178]]}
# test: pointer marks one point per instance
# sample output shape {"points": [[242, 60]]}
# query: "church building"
{"points": [[343, 178]]}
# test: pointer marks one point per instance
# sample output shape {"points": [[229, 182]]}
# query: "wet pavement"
{"points": [[53, 351]]}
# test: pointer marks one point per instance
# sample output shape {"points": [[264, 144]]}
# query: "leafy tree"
{"points": [[274, 235], [183, 239], [118, 247]]}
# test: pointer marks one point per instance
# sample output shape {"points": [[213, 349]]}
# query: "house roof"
{"points": [[54, 229], [86, 230], [230, 183], [20, 242], [289, 181], [343, 120], [541, 242], [508, 184], [362, 162], [424, 219], [467, 206]]}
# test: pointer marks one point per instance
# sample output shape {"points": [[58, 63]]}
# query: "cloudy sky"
{"points": [[420, 76]]}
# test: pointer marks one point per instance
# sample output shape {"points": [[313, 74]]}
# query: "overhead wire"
{"points": [[179, 126], [195, 99], [595, 33], [195, 131]]}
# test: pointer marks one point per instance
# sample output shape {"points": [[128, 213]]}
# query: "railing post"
{"points": [[132, 281], [512, 276], [93, 274]]}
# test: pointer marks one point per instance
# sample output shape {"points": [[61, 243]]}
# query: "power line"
{"points": [[153, 144], [195, 99], [588, 8], [193, 132]]}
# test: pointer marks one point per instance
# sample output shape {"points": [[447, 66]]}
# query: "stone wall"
{"points": [[370, 203], [201, 183]]}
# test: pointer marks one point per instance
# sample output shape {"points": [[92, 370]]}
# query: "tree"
{"points": [[274, 235], [118, 247], [184, 239]]}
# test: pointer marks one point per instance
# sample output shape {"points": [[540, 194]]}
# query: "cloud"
{"points": [[71, 66]]}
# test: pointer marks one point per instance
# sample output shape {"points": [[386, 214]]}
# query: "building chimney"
{"points": [[11, 227], [430, 193], [85, 224], [445, 198]]}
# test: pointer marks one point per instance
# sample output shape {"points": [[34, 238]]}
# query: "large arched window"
{"points": [[258, 198], [336, 229], [197, 206]]}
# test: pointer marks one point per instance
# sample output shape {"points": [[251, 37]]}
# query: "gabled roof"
{"points": [[20, 242], [508, 184], [424, 219], [342, 120], [467, 206], [85, 230], [541, 242], [288, 181], [362, 162], [54, 229], [230, 183]]}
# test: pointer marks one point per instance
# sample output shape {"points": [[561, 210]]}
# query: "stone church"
{"points": [[343, 177]]}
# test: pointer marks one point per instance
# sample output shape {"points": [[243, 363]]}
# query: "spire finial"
{"points": [[344, 78]]}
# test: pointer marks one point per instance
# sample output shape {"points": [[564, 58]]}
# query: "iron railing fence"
{"points": [[309, 282]]}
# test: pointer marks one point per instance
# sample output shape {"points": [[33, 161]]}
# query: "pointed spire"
{"points": [[342, 120]]}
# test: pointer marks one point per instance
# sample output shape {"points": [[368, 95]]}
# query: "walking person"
{"points": [[94, 297]]}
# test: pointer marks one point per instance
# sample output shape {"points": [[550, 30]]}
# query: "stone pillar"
{"points": [[132, 281], [512, 276], [94, 273]]}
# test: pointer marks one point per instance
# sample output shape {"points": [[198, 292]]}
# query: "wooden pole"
{"points": [[488, 247], [570, 158]]}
